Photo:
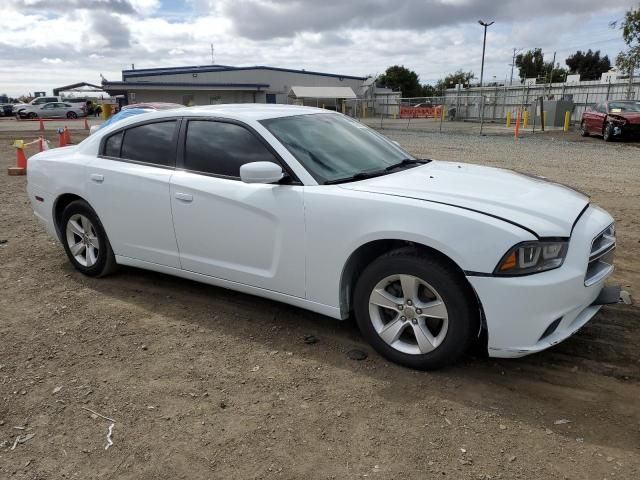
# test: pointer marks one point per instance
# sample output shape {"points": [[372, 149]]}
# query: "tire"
{"points": [[72, 115], [393, 331], [607, 133], [32, 115], [90, 253], [583, 129]]}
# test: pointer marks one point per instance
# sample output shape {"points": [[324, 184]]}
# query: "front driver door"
{"points": [[252, 234]]}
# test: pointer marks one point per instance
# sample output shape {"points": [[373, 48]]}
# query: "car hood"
{"points": [[631, 117], [545, 208]]}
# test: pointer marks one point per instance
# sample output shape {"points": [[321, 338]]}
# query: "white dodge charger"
{"points": [[317, 210]]}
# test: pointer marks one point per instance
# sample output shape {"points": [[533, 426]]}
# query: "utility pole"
{"points": [[553, 64], [212, 60], [513, 63], [484, 44]]}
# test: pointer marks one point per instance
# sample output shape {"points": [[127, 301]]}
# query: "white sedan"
{"points": [[316, 210]]}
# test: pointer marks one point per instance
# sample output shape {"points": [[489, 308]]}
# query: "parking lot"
{"points": [[203, 382]]}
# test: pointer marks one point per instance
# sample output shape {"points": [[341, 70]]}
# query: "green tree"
{"points": [[531, 64], [429, 90], [400, 78], [588, 64], [453, 79], [629, 60]]}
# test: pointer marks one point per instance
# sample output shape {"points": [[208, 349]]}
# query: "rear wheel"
{"points": [[607, 133], [415, 310], [85, 240], [583, 129], [72, 115]]}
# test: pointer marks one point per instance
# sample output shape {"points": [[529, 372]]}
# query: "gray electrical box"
{"points": [[555, 109]]}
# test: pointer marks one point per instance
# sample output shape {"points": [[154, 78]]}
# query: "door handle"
{"points": [[185, 197], [96, 177]]}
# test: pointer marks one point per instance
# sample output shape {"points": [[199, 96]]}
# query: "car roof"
{"points": [[244, 111]]}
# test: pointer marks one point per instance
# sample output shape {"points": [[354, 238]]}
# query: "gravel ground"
{"points": [[207, 383]]}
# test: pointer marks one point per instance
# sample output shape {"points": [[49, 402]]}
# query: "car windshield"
{"points": [[335, 148], [620, 107]]}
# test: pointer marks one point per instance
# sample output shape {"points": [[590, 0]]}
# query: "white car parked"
{"points": [[317, 210]]}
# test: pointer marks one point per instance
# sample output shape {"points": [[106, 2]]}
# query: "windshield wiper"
{"points": [[405, 162], [355, 177]]}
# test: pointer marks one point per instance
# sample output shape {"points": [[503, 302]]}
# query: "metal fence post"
{"points": [[481, 112]]}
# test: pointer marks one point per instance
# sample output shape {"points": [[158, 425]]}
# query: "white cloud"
{"points": [[45, 43]]}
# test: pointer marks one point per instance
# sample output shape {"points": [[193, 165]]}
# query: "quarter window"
{"points": [[222, 148], [112, 145], [150, 143]]}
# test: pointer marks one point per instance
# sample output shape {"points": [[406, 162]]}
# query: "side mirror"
{"points": [[261, 172]]}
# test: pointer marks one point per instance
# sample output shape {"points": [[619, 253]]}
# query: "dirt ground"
{"points": [[203, 382]]}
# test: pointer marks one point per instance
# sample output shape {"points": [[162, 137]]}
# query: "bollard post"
{"points": [[509, 119], [525, 119], [544, 120], [517, 131], [567, 121]]}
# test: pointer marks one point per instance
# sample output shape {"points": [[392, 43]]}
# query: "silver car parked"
{"points": [[54, 110]]}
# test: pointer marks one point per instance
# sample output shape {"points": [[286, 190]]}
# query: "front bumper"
{"points": [[531, 313]]}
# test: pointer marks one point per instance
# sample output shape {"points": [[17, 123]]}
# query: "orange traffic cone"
{"points": [[41, 125], [42, 144], [21, 160], [67, 136], [62, 139], [86, 124]]}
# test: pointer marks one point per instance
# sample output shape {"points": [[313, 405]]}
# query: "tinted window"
{"points": [[112, 145], [151, 143], [221, 148]]}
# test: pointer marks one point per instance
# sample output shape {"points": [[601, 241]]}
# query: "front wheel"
{"points": [[72, 115], [607, 134], [85, 240], [415, 310], [32, 115]]}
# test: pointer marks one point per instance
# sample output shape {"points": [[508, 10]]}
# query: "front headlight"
{"points": [[532, 257]]}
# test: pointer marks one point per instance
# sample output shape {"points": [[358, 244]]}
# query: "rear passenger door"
{"points": [[246, 233], [128, 186]]}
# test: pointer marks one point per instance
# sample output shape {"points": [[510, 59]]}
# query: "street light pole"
{"points": [[484, 44]]}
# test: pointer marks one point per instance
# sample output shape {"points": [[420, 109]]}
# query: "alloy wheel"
{"points": [[408, 314], [82, 240]]}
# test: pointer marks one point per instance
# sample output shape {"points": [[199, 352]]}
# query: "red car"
{"points": [[612, 119], [153, 106]]}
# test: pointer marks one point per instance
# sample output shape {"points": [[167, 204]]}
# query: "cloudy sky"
{"points": [[49, 43]]}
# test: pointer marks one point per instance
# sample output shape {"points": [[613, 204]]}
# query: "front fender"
{"points": [[340, 221]]}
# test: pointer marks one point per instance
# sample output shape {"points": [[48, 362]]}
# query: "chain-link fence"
{"points": [[436, 114], [487, 110]]}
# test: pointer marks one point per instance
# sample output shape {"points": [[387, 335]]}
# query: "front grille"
{"points": [[601, 256]]}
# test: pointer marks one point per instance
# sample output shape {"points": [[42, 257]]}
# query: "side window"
{"points": [[222, 148], [112, 145], [150, 143]]}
